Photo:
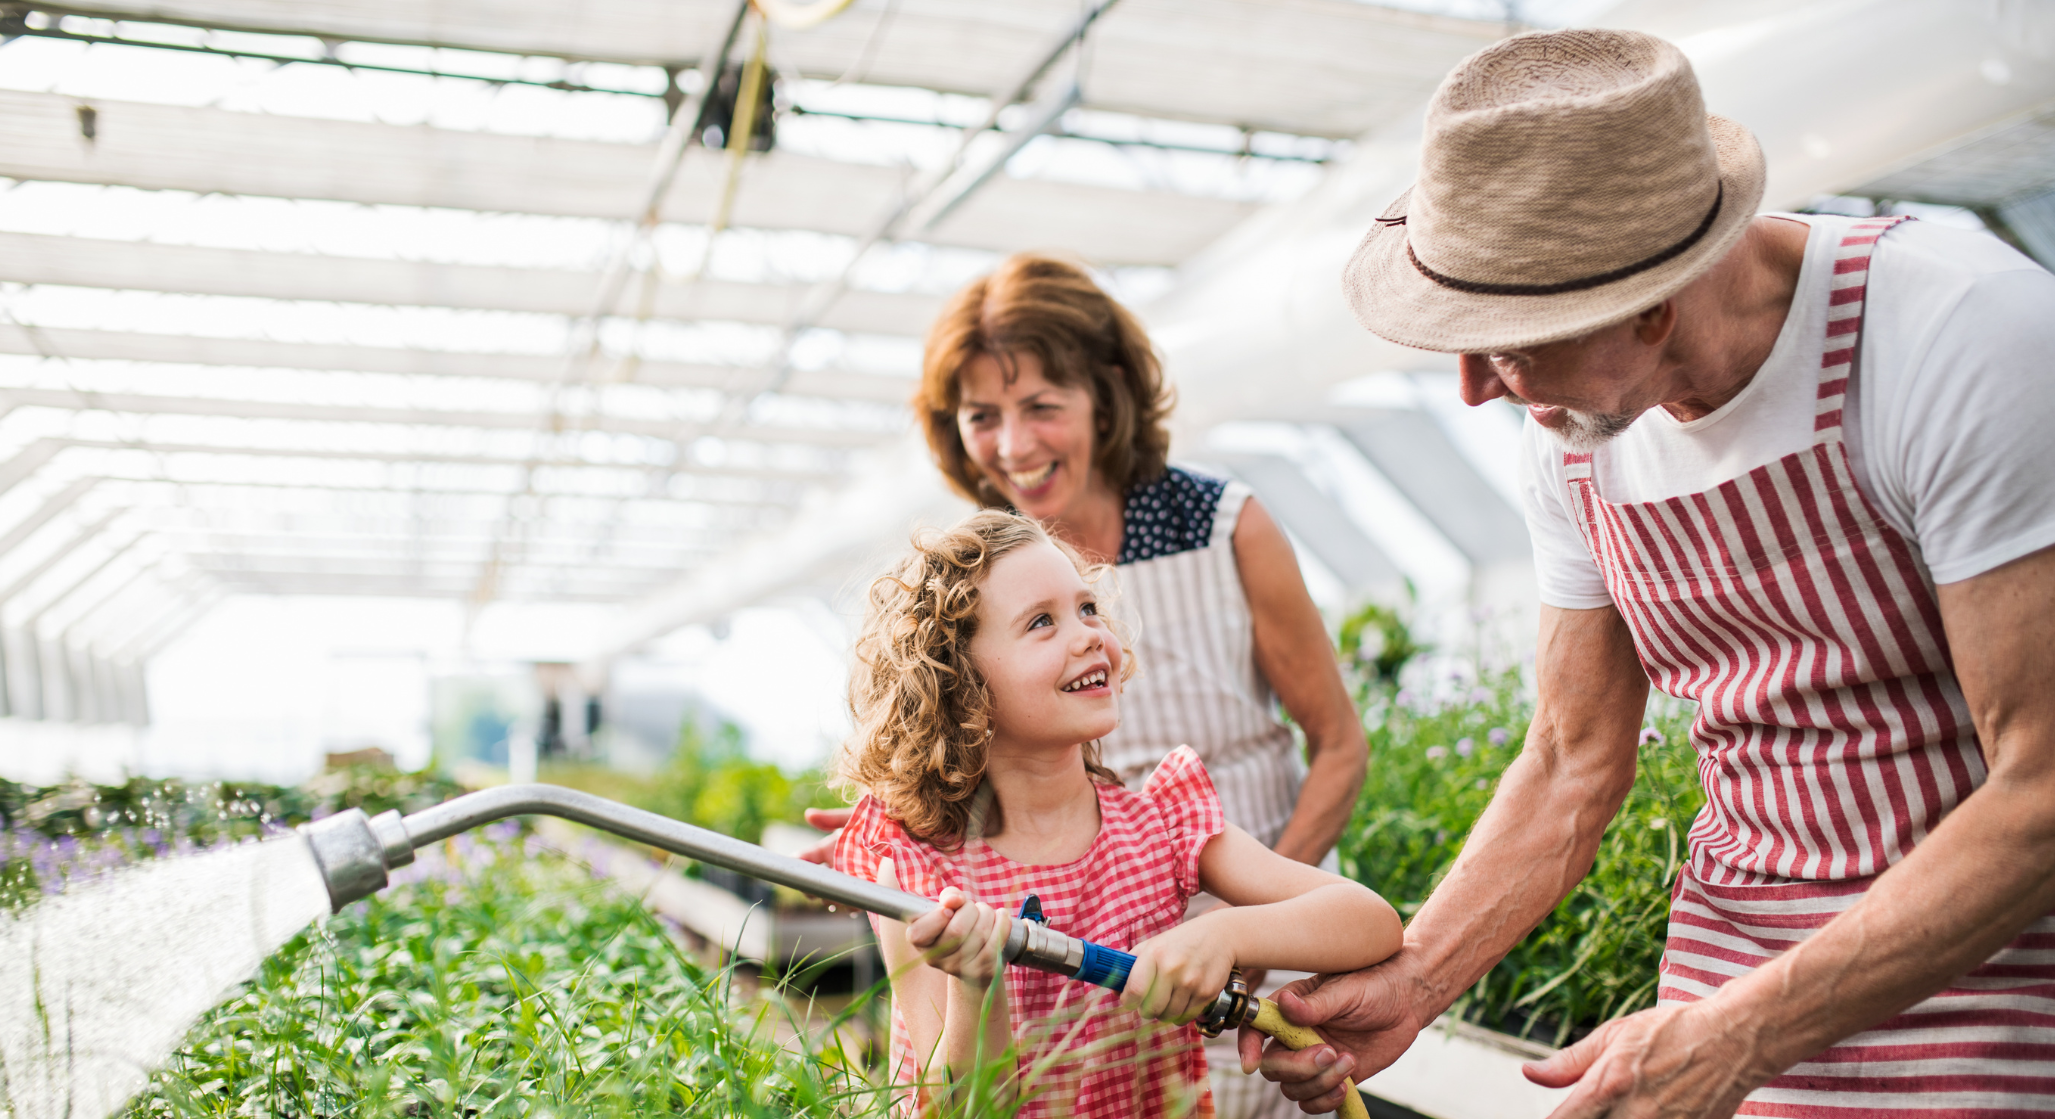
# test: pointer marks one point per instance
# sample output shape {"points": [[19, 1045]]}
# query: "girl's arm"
{"points": [[1279, 913], [944, 1004]]}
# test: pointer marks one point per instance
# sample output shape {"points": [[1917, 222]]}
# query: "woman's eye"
{"points": [[1041, 620]]}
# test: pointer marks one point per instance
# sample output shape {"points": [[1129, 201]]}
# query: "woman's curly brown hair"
{"points": [[922, 710]]}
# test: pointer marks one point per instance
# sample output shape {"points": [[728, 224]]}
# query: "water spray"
{"points": [[355, 851]]}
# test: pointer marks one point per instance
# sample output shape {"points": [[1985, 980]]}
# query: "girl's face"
{"points": [[1051, 662], [1032, 439]]}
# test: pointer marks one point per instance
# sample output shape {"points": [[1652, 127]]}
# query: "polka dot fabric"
{"points": [[1172, 514], [1093, 1060]]}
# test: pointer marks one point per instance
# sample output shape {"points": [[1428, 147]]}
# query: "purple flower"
{"points": [[1404, 698], [1651, 736], [1436, 753], [1465, 747], [1499, 736], [1480, 695]]}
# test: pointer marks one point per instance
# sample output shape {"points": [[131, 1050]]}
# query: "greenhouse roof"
{"points": [[421, 298]]}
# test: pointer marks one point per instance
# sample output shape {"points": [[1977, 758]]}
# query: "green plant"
{"points": [[49, 836], [510, 984], [1434, 767], [1377, 644]]}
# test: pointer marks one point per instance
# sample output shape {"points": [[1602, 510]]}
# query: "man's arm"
{"points": [[1533, 844], [1979, 878]]}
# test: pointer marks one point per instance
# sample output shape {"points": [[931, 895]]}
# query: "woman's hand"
{"points": [[1178, 973], [832, 821], [962, 937]]}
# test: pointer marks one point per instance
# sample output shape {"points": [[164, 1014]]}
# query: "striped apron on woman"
{"points": [[1831, 736], [1198, 686]]}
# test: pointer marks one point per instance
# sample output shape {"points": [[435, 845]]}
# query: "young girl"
{"points": [[986, 674]]}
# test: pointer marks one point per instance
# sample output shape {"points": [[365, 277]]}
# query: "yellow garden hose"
{"points": [[1271, 1022]]}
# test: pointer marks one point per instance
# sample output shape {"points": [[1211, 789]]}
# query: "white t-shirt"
{"points": [[1952, 417]]}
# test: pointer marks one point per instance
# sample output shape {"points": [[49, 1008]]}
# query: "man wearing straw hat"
{"points": [[1800, 470]]}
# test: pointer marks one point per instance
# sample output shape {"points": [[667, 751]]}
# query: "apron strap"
{"points": [[1841, 350]]}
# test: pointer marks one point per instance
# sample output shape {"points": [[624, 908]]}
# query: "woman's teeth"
{"points": [[1088, 680], [1029, 479]]}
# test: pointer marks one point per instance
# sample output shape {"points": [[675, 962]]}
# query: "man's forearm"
{"points": [[1532, 845], [1541, 831]]}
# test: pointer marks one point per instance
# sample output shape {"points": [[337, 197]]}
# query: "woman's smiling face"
{"points": [[1031, 438], [1051, 662]]}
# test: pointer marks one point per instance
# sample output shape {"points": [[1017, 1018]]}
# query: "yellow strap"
{"points": [[1270, 1021]]}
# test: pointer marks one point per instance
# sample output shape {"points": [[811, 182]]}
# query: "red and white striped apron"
{"points": [[1831, 736]]}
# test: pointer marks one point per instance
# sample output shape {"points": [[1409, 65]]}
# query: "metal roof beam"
{"points": [[258, 353], [1237, 62], [355, 583], [170, 147], [39, 453], [81, 401], [33, 258]]}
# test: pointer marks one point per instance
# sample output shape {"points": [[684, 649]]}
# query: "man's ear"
{"points": [[1654, 326]]}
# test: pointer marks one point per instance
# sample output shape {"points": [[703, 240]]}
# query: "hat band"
{"points": [[1473, 287]]}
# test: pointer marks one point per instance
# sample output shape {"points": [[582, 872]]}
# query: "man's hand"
{"points": [[832, 821], [1367, 1018], [1677, 1062]]}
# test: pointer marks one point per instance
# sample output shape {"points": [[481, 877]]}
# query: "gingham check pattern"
{"points": [[1082, 1056]]}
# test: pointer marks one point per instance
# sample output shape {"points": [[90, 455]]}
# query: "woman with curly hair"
{"points": [[985, 676], [1042, 394]]}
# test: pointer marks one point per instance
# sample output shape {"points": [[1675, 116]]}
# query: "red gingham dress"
{"points": [[1082, 1055]]}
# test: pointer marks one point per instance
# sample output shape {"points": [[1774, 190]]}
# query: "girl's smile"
{"points": [[1050, 660]]}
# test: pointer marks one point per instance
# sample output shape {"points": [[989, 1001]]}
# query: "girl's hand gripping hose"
{"points": [[1106, 967], [355, 851]]}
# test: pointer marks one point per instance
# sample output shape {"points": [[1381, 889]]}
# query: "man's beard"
{"points": [[1586, 431]]}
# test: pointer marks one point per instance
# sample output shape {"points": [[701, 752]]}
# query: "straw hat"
{"points": [[1568, 180]]}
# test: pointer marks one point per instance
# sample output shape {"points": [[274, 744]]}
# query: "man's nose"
{"points": [[1480, 380]]}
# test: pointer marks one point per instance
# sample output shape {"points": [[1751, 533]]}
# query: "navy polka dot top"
{"points": [[1172, 514]]}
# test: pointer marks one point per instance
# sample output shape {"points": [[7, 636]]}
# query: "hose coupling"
{"points": [[1234, 1008]]}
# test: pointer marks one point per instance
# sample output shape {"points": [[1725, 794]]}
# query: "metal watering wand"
{"points": [[354, 852]]}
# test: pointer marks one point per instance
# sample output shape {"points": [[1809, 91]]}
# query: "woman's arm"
{"points": [[1295, 655], [1279, 913]]}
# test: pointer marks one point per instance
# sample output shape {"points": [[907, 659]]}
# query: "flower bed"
{"points": [[495, 977], [1434, 763], [498, 979]]}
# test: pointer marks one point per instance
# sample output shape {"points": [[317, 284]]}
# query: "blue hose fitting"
{"points": [[1104, 967]]}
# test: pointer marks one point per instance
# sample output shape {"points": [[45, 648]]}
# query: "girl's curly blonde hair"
{"points": [[923, 713]]}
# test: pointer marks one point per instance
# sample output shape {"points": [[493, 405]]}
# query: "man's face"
{"points": [[1583, 391]]}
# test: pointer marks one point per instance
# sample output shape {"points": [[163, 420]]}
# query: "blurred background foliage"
{"points": [[1436, 754], [710, 780]]}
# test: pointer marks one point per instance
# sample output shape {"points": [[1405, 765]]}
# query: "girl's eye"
{"points": [[1041, 620], [1089, 609]]}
